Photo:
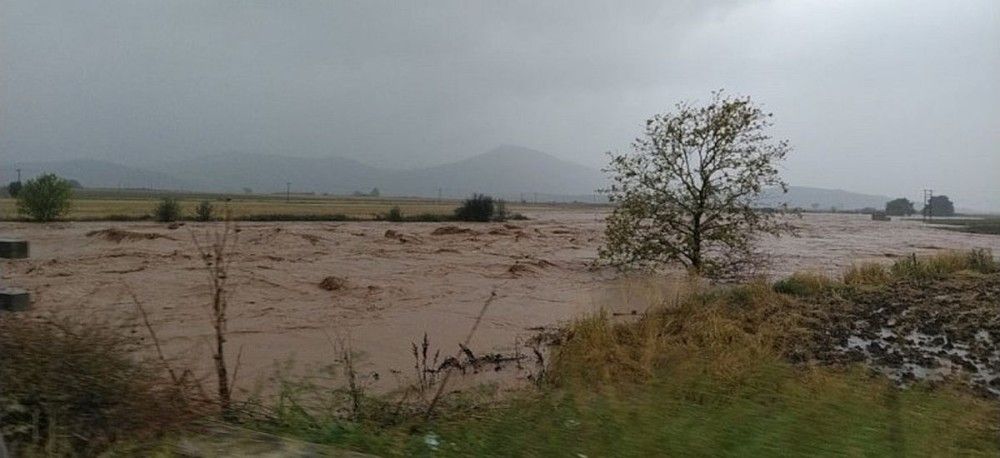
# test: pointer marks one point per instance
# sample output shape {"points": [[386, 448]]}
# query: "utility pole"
{"points": [[18, 175], [439, 194], [288, 191], [928, 208]]}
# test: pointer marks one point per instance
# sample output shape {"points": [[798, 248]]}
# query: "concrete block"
{"points": [[13, 248], [14, 300]]}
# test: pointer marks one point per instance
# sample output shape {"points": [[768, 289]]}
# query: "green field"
{"points": [[92, 204], [989, 225]]}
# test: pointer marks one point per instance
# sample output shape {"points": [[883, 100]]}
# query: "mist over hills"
{"points": [[98, 174], [509, 172]]}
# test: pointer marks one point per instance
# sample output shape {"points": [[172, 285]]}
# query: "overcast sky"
{"points": [[883, 97]]}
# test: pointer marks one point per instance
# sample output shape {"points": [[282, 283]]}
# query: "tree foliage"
{"points": [[204, 211], [687, 192], [899, 207], [939, 206], [167, 210], [14, 188], [44, 198], [482, 208]]}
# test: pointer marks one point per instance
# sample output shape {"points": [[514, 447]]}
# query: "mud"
{"points": [[920, 331]]}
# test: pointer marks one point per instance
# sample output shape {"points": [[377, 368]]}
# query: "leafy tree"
{"points": [[44, 198], [375, 192], [939, 206], [74, 184], [481, 208], [168, 210], [687, 192], [899, 207], [204, 211], [14, 188]]}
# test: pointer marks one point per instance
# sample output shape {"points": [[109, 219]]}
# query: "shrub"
{"points": [[204, 211], [804, 284], [71, 389], [481, 208], [45, 198], [395, 215], [869, 273], [14, 188], [168, 210]]}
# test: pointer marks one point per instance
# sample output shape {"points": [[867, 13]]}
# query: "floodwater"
{"points": [[391, 287]]}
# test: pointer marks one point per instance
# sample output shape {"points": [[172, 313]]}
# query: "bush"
{"points": [[395, 215], [168, 210], [481, 208], [72, 389], [14, 188], [804, 284], [45, 198], [869, 273], [204, 211]]}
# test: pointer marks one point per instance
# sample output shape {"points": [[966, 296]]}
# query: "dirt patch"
{"points": [[118, 235]]}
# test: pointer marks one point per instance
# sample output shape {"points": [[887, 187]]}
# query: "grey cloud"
{"points": [[859, 87]]}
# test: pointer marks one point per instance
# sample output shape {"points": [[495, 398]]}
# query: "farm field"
{"points": [[105, 205], [302, 289]]}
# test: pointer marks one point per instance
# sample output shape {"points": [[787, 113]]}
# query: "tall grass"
{"points": [[913, 267], [73, 388], [941, 264]]}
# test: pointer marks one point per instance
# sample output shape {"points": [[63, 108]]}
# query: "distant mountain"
{"points": [[823, 199], [507, 171], [231, 172], [103, 174], [510, 172]]}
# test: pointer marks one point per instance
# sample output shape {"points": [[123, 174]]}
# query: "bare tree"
{"points": [[687, 193], [217, 257]]}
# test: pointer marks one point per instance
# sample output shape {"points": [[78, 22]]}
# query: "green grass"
{"points": [[775, 411]]}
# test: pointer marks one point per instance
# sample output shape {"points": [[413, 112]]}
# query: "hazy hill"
{"points": [[805, 197], [509, 172], [506, 171], [100, 174], [231, 172]]}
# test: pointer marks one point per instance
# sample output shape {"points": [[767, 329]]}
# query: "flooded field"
{"points": [[300, 290]]}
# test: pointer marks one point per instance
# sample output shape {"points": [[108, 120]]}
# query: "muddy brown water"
{"points": [[395, 288]]}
